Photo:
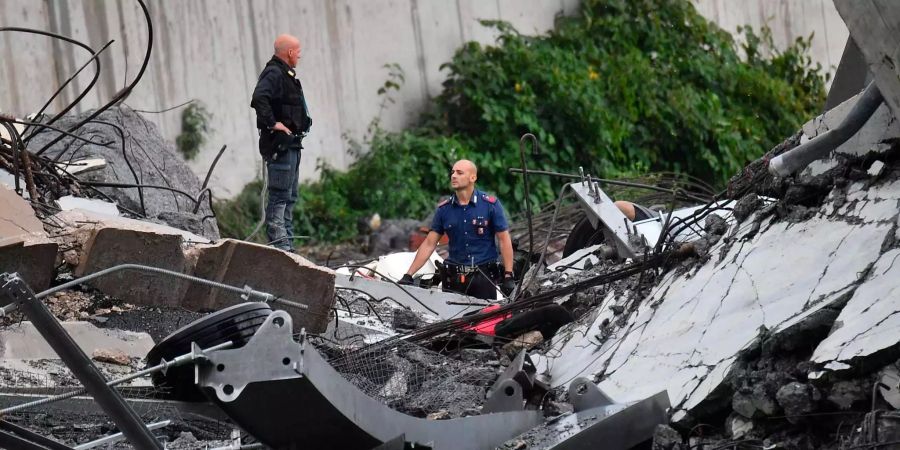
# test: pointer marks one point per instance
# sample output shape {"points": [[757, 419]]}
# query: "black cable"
{"points": [[164, 110], [559, 200], [124, 92], [357, 266], [71, 41], [213, 166], [127, 162], [93, 57], [377, 300], [534, 149], [137, 186], [687, 196], [62, 132]]}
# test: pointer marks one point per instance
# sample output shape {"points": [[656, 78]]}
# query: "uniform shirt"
{"points": [[471, 228], [278, 97]]}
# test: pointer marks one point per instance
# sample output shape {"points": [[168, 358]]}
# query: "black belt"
{"points": [[462, 269]]}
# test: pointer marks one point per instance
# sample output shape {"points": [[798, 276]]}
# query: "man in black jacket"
{"points": [[283, 119]]}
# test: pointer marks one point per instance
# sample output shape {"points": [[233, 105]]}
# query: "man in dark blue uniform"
{"points": [[472, 220], [283, 119]]}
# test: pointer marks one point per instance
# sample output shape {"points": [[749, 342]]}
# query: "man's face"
{"points": [[461, 176], [294, 56]]}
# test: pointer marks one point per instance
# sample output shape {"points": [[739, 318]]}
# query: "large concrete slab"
{"points": [[137, 243], [24, 246], [687, 333], [263, 268], [870, 322]]}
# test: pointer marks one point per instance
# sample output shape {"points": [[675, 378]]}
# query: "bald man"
{"points": [[475, 223], [282, 118]]}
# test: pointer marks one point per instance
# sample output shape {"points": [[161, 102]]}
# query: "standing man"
{"points": [[282, 118], [471, 219]]}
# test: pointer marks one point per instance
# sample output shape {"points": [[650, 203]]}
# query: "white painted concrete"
{"points": [[213, 50], [686, 334]]}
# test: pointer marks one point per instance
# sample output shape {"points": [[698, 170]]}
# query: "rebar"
{"points": [[162, 366]]}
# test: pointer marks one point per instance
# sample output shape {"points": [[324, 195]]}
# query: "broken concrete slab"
{"points": [[8, 181], [875, 136], [24, 246], [286, 275], [136, 243], [363, 330], [80, 219], [870, 322], [82, 165], [24, 342], [68, 203], [686, 334]]}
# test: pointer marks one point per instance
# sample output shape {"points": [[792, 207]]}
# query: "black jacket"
{"points": [[278, 97]]}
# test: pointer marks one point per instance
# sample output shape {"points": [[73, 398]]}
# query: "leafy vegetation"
{"points": [[194, 128], [626, 87]]}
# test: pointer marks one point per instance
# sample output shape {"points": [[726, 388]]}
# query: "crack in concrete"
{"points": [[863, 333], [722, 300], [762, 310], [11, 222], [808, 303]]}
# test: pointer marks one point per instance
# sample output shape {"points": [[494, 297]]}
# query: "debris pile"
{"points": [[142, 173]]}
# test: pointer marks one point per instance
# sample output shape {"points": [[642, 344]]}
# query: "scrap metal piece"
{"points": [[14, 436], [517, 371], [890, 386], [283, 392], [18, 293], [606, 212], [584, 395], [616, 426]]}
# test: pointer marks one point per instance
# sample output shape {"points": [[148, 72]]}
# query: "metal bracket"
{"points": [[274, 349], [584, 394], [507, 397]]}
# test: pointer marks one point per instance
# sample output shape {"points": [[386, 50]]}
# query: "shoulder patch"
{"points": [[489, 198], [443, 202]]}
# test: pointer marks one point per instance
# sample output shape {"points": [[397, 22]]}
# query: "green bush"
{"points": [[194, 127], [626, 87]]}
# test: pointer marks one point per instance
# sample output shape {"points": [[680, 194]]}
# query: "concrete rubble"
{"points": [[143, 157], [24, 245]]}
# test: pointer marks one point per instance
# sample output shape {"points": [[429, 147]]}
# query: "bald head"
{"points": [[463, 175], [287, 49]]}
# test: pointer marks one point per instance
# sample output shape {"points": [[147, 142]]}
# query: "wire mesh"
{"points": [[414, 380], [78, 420]]}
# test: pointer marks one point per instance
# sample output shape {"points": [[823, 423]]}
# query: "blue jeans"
{"points": [[284, 176]]}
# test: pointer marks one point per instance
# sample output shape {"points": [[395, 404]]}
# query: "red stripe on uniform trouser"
{"points": [[487, 326]]}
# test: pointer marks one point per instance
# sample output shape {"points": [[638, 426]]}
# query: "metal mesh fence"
{"points": [[415, 380]]}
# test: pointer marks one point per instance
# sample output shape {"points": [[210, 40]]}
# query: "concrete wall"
{"points": [[788, 20], [212, 51]]}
